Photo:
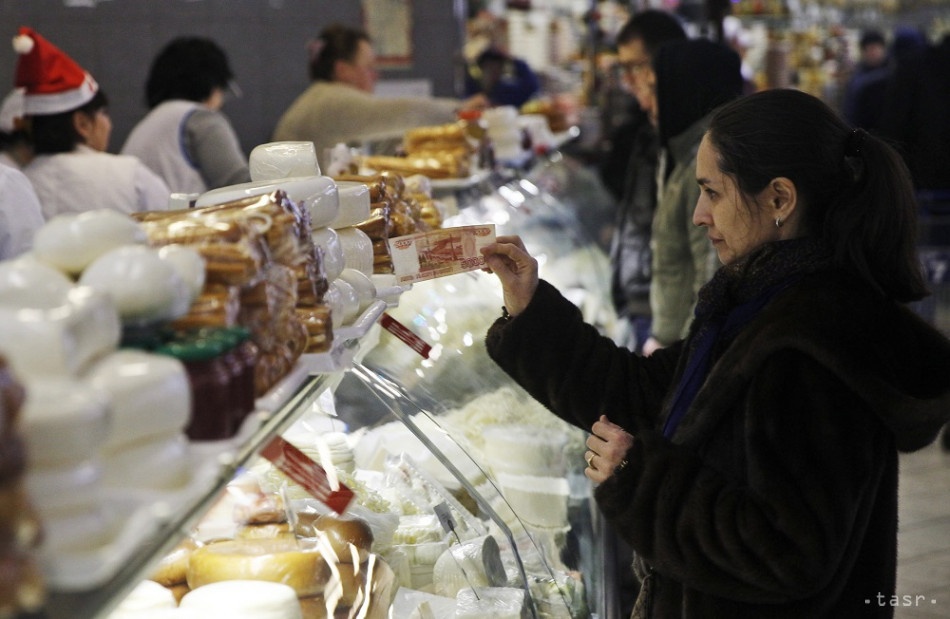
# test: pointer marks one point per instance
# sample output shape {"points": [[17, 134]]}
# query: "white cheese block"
{"points": [[76, 531], [494, 602], [28, 283], [473, 563], [150, 394], [155, 463], [349, 298], [244, 599], [334, 300], [61, 340], [525, 450], [71, 242], [362, 284], [63, 420], [276, 160], [357, 249], [189, 264], [354, 204], [541, 501], [65, 489], [147, 596], [333, 260], [144, 288]]}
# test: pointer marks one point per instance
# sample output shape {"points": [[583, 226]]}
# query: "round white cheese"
{"points": [[473, 563], [244, 599], [354, 204], [362, 284], [150, 394], [158, 463], [350, 300], [28, 283], [147, 596], [71, 242], [64, 420], [188, 263], [329, 241], [65, 489], [357, 249]]}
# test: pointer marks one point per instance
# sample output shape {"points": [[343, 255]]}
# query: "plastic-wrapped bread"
{"points": [[473, 563], [296, 563]]}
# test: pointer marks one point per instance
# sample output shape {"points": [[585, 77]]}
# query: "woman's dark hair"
{"points": [[336, 42], [854, 190], [187, 68], [654, 27], [56, 133]]}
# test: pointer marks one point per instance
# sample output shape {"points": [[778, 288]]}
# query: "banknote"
{"points": [[437, 253]]}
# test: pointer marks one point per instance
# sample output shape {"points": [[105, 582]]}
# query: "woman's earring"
{"points": [[778, 222]]}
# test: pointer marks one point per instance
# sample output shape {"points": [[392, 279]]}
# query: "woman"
{"points": [[69, 127], [185, 138], [340, 107], [753, 466]]}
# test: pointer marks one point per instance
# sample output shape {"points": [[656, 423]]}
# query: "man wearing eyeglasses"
{"points": [[636, 150]]}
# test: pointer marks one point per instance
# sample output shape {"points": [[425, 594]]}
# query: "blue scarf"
{"points": [[733, 297]]}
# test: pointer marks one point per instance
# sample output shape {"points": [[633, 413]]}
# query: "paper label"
{"points": [[437, 253], [405, 335], [299, 467]]}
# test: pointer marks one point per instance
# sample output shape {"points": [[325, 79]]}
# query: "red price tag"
{"points": [[403, 333], [299, 467]]}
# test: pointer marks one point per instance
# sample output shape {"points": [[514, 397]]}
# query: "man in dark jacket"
{"points": [[637, 44]]}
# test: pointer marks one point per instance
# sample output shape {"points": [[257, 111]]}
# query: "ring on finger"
{"points": [[590, 459]]}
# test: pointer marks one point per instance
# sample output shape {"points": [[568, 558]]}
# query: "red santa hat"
{"points": [[53, 81]]}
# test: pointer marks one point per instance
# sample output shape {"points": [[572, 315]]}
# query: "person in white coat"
{"points": [[20, 214], [185, 138], [69, 127]]}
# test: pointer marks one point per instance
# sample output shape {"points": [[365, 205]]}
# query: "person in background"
{"points": [[15, 149], [635, 152], [339, 106], [69, 128], [754, 466], [185, 138], [20, 213], [692, 79], [502, 78]]}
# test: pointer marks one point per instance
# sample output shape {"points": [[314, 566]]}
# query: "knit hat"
{"points": [[53, 81]]}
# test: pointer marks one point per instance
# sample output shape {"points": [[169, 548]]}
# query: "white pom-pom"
{"points": [[23, 44]]}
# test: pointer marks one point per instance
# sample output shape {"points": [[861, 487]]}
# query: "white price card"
{"points": [[437, 253]]}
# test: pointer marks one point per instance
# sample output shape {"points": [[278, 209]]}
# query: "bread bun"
{"points": [[347, 537], [173, 568]]}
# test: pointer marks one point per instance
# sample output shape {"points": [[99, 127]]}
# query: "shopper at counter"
{"points": [[185, 138], [69, 127], [339, 106], [636, 145], [692, 79], [753, 467]]}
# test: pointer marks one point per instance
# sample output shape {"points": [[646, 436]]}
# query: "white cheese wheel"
{"points": [[317, 195], [333, 260], [354, 204], [150, 394], [295, 563], [144, 288], [64, 420], [244, 599], [473, 563], [525, 450], [350, 300], [76, 531], [71, 242], [65, 489], [188, 263], [155, 463], [538, 500], [61, 340], [357, 249], [28, 283], [362, 284], [147, 596], [276, 160], [334, 300]]}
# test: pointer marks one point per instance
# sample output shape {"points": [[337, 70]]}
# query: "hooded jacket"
{"points": [[692, 78], [777, 496]]}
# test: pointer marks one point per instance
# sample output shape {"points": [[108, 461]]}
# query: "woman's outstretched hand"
{"points": [[516, 268], [607, 449]]}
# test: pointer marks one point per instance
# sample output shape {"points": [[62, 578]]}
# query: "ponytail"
{"points": [[855, 191]]}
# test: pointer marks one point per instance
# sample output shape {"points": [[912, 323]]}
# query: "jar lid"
{"points": [[200, 349]]}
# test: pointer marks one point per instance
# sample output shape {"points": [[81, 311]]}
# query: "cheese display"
{"points": [[28, 283], [316, 196], [473, 563], [357, 249], [354, 204], [495, 602], [64, 420], [329, 243], [146, 597]]}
